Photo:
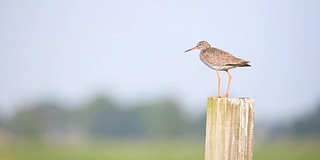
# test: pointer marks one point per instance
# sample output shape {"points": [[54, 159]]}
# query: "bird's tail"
{"points": [[245, 64], [241, 64]]}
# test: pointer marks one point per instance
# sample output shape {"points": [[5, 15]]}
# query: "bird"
{"points": [[219, 60]]}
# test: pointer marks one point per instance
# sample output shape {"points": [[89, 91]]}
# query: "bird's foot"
{"points": [[225, 96], [215, 96]]}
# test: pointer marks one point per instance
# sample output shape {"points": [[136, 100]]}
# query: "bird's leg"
{"points": [[218, 83], [229, 81], [218, 96]]}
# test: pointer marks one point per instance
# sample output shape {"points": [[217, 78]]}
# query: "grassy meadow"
{"points": [[140, 150]]}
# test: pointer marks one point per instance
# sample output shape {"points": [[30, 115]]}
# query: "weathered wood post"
{"points": [[229, 129]]}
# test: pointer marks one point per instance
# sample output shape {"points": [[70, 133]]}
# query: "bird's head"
{"points": [[201, 45]]}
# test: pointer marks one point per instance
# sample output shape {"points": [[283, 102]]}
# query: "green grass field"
{"points": [[288, 150]]}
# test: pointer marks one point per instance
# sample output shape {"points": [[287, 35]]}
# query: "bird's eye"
{"points": [[199, 44]]}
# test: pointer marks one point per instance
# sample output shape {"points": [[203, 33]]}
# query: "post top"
{"points": [[230, 98], [240, 98], [235, 101]]}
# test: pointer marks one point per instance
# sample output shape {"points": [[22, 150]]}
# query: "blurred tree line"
{"points": [[102, 118], [307, 125]]}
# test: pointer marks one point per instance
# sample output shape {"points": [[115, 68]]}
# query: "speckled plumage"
{"points": [[219, 60]]}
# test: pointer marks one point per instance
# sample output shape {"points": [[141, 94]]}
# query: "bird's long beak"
{"points": [[191, 49]]}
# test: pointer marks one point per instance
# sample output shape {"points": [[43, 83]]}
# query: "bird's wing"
{"points": [[227, 59], [219, 57]]}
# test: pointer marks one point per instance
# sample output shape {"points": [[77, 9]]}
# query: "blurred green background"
{"points": [[159, 129]]}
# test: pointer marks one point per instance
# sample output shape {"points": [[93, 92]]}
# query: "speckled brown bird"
{"points": [[219, 60]]}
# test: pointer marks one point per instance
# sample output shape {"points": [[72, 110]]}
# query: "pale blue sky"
{"points": [[135, 50]]}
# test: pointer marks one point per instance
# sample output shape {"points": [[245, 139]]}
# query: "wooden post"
{"points": [[229, 129]]}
